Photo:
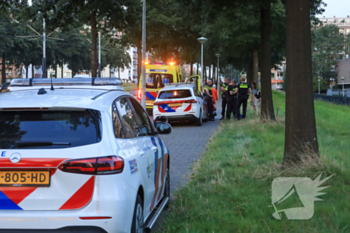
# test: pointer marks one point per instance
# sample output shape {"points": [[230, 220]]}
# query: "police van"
{"points": [[79, 155], [157, 76]]}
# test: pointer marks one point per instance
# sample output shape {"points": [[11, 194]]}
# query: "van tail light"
{"points": [[192, 101], [139, 94], [94, 166]]}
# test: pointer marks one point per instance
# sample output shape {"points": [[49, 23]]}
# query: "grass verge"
{"points": [[230, 189], [129, 86]]}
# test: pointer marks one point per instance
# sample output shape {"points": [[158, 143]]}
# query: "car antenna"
{"points": [[52, 89]]}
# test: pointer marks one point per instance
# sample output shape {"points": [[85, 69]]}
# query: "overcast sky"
{"points": [[338, 8]]}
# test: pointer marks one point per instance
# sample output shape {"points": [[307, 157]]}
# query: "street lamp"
{"points": [[218, 55], [99, 55], [319, 80], [143, 84], [342, 78], [202, 40]]}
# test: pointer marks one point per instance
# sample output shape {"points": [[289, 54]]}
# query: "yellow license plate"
{"points": [[25, 178], [175, 105]]}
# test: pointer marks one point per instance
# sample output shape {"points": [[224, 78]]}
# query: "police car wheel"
{"points": [[138, 225], [167, 187], [199, 121]]}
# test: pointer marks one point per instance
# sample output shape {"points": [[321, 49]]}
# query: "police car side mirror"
{"points": [[163, 128], [161, 119]]}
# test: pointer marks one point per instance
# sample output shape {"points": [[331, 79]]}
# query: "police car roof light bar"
{"points": [[66, 82]]}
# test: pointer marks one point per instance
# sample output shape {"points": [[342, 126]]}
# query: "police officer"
{"points": [[231, 99], [224, 89], [243, 89], [208, 93]]}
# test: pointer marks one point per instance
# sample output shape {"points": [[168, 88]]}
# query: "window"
{"points": [[175, 94], [49, 129], [158, 80], [117, 125], [142, 117], [127, 117]]}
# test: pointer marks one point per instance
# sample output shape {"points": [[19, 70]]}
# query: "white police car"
{"points": [[180, 101], [84, 157]]}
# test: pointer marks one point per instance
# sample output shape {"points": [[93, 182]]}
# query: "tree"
{"points": [[267, 111], [327, 43], [300, 134], [99, 15], [117, 58]]}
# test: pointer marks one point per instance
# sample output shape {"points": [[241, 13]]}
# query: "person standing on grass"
{"points": [[224, 89], [231, 100], [243, 89], [255, 102]]}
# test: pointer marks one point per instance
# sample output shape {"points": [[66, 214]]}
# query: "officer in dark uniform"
{"points": [[224, 89], [243, 89], [231, 99], [209, 99]]}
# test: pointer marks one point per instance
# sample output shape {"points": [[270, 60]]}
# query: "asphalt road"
{"points": [[187, 144]]}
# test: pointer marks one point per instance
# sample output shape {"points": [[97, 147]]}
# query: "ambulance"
{"points": [[157, 76]]}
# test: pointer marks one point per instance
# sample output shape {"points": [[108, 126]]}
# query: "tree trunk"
{"points": [[249, 72], [62, 70], [267, 111], [300, 134], [191, 71], [197, 66], [55, 71], [256, 66], [93, 25], [3, 68], [119, 72], [27, 70], [139, 61], [215, 77], [33, 75]]}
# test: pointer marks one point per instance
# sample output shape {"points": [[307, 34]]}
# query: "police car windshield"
{"points": [[158, 80], [175, 94], [49, 129]]}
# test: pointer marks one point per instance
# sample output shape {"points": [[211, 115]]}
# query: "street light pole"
{"points": [[218, 74], [202, 40], [99, 54], [319, 86], [143, 84], [44, 75], [342, 78]]}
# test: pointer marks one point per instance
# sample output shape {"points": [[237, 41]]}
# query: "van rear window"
{"points": [[158, 80], [49, 129], [175, 94]]}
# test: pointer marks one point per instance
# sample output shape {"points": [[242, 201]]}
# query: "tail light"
{"points": [[94, 166], [192, 101], [158, 103], [139, 94]]}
